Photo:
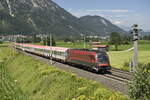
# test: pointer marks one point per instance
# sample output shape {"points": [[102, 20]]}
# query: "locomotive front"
{"points": [[102, 60]]}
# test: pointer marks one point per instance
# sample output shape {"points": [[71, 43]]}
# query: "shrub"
{"points": [[126, 64], [117, 96], [140, 83], [1, 42]]}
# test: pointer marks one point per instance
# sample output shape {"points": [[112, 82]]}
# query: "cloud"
{"points": [[70, 9], [82, 12], [117, 22], [113, 11]]}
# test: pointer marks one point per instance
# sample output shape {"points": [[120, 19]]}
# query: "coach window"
{"points": [[53, 52], [60, 53], [63, 53], [56, 52]]}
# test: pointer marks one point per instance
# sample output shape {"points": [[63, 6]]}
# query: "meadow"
{"points": [[121, 59], [24, 78], [143, 45]]}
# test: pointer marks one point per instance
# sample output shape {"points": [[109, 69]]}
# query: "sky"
{"points": [[123, 13]]}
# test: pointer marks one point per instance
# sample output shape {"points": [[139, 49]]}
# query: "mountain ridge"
{"points": [[100, 24]]}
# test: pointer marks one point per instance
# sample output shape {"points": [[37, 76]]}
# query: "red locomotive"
{"points": [[93, 59]]}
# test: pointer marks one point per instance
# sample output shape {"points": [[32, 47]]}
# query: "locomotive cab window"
{"points": [[102, 57]]}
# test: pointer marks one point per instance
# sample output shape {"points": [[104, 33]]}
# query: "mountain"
{"points": [[38, 16], [100, 25], [45, 16]]}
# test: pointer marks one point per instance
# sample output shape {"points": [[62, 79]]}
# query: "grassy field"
{"points": [[72, 45], [143, 45], [35, 80], [121, 59]]}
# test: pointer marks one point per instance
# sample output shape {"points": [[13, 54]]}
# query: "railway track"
{"points": [[115, 79], [120, 71], [119, 75], [126, 76]]}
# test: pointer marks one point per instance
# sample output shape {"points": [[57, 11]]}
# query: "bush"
{"points": [[126, 64], [140, 83], [1, 42]]}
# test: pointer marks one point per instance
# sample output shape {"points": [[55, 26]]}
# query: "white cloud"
{"points": [[70, 9], [113, 11], [117, 22]]}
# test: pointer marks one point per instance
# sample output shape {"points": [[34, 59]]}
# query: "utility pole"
{"points": [[83, 38], [46, 40], [135, 32], [84, 42], [22, 42], [51, 49], [42, 39]]}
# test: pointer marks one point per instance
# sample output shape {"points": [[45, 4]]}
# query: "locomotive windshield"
{"points": [[102, 57]]}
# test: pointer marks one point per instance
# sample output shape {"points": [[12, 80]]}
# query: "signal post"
{"points": [[135, 33]]}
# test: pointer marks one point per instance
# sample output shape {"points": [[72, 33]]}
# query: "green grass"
{"points": [[38, 81], [121, 59], [143, 45], [72, 45], [9, 89], [118, 59], [5, 44]]}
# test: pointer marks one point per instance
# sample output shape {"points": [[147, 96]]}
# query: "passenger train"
{"points": [[91, 59]]}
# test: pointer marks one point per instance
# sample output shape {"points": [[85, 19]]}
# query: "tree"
{"points": [[146, 37], [35, 39], [1, 42], [67, 40], [47, 41], [126, 39], [115, 39]]}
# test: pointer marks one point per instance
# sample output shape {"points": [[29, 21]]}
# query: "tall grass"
{"points": [[9, 89]]}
